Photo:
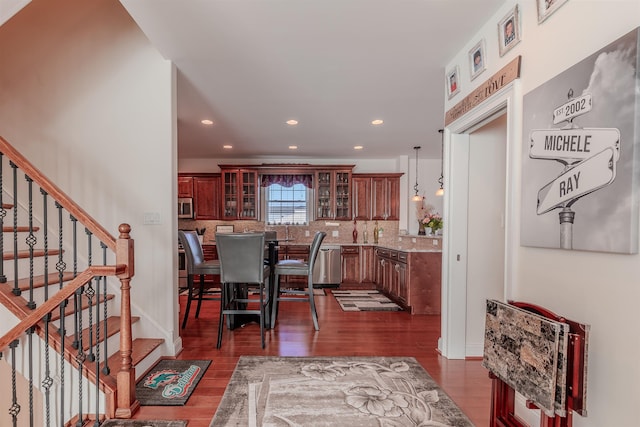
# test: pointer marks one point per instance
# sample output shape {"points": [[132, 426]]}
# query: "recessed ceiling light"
{"points": [[377, 122], [227, 147], [206, 122], [292, 122], [293, 147], [358, 147]]}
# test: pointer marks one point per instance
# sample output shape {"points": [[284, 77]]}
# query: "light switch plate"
{"points": [[152, 218], [335, 233], [306, 233]]}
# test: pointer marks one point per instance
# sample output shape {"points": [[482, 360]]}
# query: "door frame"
{"points": [[452, 342]]}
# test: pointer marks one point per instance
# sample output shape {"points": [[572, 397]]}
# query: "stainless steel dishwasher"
{"points": [[326, 270]]}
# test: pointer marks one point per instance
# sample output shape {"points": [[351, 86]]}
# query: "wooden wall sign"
{"points": [[506, 75]]}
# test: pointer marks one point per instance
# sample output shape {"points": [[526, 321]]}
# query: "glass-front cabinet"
{"points": [[333, 195], [240, 194]]}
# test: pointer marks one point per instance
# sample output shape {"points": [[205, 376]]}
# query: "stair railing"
{"points": [[84, 284]]}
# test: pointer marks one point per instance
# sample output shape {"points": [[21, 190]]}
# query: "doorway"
{"points": [[480, 195]]}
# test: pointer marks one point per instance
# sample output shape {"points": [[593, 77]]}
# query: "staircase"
{"points": [[66, 329]]}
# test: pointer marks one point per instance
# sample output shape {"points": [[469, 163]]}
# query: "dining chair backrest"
{"points": [[241, 257], [192, 249], [315, 248]]}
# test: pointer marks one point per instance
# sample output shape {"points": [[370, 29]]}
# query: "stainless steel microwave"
{"points": [[185, 207]]}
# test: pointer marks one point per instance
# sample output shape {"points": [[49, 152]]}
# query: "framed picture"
{"points": [[584, 199], [509, 31], [453, 82], [477, 59], [547, 7]]}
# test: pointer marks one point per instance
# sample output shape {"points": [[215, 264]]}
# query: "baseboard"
{"points": [[474, 350]]}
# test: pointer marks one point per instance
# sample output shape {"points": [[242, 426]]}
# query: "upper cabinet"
{"points": [[206, 197], [185, 186], [376, 196], [240, 194], [333, 194]]}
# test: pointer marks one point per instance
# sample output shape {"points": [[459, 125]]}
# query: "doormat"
{"points": [[334, 391], [170, 382], [143, 423], [364, 300]]}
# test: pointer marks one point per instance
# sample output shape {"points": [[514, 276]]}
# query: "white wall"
{"points": [[595, 288], [89, 101]]}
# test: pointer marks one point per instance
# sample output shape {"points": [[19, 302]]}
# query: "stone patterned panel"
{"points": [[522, 349]]}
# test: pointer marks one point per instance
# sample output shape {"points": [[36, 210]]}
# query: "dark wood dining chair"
{"points": [[197, 266], [242, 266], [293, 267]]}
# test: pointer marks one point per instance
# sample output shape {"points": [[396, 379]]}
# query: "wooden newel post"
{"points": [[126, 403]]}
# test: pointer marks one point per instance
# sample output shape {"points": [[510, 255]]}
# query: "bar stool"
{"points": [[196, 266], [242, 266]]}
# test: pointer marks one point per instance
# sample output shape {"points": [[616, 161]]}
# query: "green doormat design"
{"points": [[170, 382]]}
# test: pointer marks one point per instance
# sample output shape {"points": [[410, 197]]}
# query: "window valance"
{"points": [[287, 180]]}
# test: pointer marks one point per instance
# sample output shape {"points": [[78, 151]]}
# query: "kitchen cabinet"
{"points": [[376, 196], [209, 252], [333, 194], [240, 194], [185, 186], [350, 263], [206, 197], [358, 265], [412, 279]]}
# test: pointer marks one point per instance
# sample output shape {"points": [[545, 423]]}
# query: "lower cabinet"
{"points": [[210, 252], [412, 279], [358, 265]]}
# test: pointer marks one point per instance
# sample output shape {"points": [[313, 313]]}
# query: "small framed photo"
{"points": [[453, 82], [509, 31], [547, 7], [476, 59]]}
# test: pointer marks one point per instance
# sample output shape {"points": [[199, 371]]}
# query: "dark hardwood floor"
{"points": [[341, 334]]}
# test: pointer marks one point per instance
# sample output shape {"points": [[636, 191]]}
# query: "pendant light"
{"points": [[440, 191], [416, 197]]}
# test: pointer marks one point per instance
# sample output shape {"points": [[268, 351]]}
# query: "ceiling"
{"points": [[333, 65]]}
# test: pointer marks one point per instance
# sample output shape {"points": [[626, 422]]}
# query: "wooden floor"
{"points": [[341, 334]]}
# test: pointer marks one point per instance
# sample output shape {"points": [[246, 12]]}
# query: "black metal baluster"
{"points": [[14, 410], [31, 241], [47, 382], [105, 369], [61, 267], [45, 233], [77, 322], [96, 423], [16, 288], [90, 293], [30, 357], [3, 214]]}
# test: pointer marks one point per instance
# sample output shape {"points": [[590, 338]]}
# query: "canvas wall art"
{"points": [[581, 158]]}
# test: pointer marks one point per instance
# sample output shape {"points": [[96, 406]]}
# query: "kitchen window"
{"points": [[287, 198]]}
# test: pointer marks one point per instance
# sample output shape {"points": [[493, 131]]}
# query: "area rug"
{"points": [[143, 423], [170, 382], [334, 391], [364, 300]]}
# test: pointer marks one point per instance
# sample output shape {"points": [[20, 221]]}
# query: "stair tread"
{"points": [[113, 327], [55, 315], [25, 253], [38, 281], [19, 229], [142, 347]]}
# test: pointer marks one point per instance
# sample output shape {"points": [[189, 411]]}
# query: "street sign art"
{"points": [[571, 145], [574, 108], [588, 176]]}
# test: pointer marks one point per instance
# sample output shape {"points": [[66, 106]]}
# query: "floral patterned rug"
{"points": [[334, 391]]}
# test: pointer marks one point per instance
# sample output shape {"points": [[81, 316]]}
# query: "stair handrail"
{"points": [[52, 303], [57, 194]]}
